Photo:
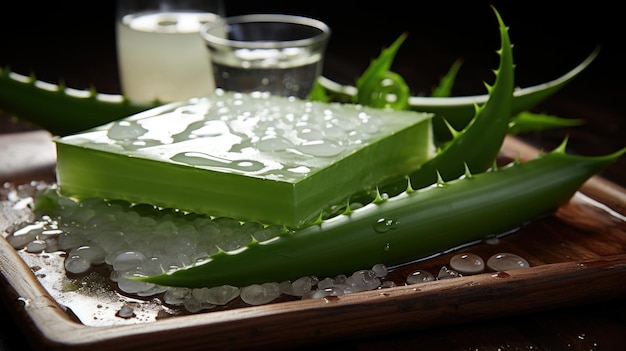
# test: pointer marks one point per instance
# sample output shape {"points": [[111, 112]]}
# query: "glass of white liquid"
{"points": [[161, 55], [279, 54]]}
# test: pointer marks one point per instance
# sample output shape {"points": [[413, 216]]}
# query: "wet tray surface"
{"points": [[585, 241]]}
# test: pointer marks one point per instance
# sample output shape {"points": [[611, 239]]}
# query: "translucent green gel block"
{"points": [[252, 157]]}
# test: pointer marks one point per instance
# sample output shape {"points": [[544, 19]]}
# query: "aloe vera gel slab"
{"points": [[254, 157]]}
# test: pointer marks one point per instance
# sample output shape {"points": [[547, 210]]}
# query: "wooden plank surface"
{"points": [[583, 242]]}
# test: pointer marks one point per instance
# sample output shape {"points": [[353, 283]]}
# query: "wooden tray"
{"points": [[576, 255]]}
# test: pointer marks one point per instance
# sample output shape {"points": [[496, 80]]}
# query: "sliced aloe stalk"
{"points": [[251, 157]]}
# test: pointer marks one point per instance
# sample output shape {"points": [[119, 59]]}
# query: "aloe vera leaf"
{"points": [[444, 88], [524, 100], [404, 228], [458, 110], [377, 81], [391, 92], [526, 122], [59, 109], [479, 143]]}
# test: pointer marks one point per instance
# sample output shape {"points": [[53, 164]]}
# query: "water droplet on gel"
{"points": [[272, 143], [383, 225], [320, 148], [206, 160], [211, 129], [300, 170], [310, 134], [126, 130]]}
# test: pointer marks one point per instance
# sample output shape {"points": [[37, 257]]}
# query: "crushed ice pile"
{"points": [[144, 240]]}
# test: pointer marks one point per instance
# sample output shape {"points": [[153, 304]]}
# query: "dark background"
{"points": [[75, 42]]}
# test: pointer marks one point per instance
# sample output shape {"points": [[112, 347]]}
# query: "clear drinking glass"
{"points": [[160, 52], [280, 54]]}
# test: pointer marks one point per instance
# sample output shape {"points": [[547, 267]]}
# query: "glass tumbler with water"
{"points": [[279, 54], [160, 52]]}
